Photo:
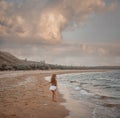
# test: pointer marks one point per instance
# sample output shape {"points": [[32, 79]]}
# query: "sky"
{"points": [[66, 32]]}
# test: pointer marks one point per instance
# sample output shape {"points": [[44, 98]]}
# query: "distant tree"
{"points": [[3, 66]]}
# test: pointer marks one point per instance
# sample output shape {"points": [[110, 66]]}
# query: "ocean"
{"points": [[99, 92]]}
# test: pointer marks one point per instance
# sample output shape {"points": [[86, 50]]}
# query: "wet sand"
{"points": [[77, 109], [23, 94]]}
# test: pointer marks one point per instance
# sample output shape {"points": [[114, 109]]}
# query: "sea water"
{"points": [[99, 91]]}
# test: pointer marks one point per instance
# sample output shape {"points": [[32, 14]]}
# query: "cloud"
{"points": [[51, 24], [45, 20], [66, 53], [67, 13]]}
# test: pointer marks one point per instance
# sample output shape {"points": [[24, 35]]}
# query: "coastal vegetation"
{"points": [[10, 62]]}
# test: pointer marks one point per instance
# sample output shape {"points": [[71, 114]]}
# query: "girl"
{"points": [[53, 87]]}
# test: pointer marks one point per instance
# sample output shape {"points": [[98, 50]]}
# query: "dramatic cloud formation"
{"points": [[45, 20], [44, 29]]}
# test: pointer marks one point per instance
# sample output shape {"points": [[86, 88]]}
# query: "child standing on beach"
{"points": [[53, 87]]}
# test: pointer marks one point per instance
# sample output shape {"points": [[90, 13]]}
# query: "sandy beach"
{"points": [[23, 94]]}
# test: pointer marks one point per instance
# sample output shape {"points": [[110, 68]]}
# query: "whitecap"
{"points": [[84, 92], [77, 88]]}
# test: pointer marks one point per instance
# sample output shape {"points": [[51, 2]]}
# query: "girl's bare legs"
{"points": [[54, 96]]}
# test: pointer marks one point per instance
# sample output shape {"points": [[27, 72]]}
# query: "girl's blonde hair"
{"points": [[53, 79]]}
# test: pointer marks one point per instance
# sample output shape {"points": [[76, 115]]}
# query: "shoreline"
{"points": [[30, 98], [78, 108]]}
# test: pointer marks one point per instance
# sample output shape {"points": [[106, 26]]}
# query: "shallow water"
{"points": [[99, 92]]}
